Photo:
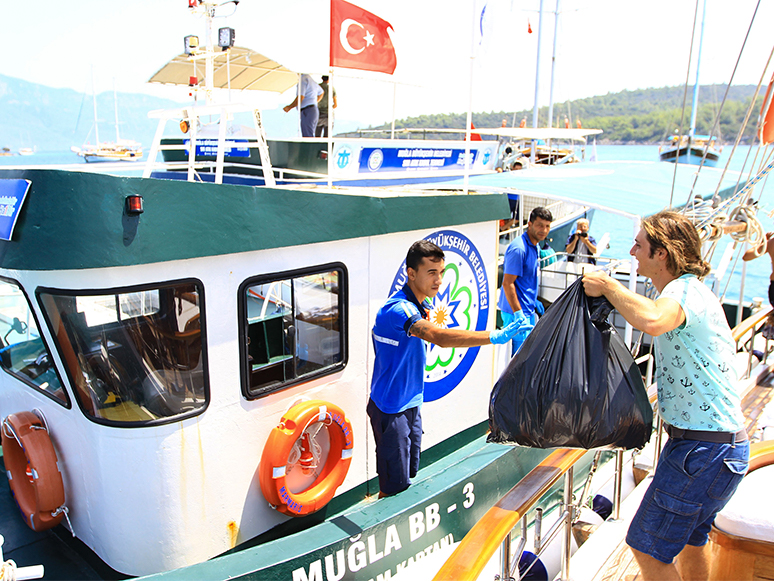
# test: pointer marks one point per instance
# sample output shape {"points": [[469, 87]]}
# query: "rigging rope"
{"points": [[725, 96]]}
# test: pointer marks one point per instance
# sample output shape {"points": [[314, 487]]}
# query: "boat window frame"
{"points": [[155, 285], [67, 404], [250, 393]]}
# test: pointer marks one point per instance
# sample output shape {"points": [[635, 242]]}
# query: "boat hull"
{"points": [[689, 155]]}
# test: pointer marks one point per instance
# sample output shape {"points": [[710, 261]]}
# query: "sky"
{"points": [[602, 46]]}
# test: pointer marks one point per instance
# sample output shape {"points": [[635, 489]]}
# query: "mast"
{"points": [[94, 94], [537, 82], [695, 103], [115, 107], [553, 68]]}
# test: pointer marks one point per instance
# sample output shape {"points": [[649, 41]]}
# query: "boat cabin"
{"points": [[161, 330]]}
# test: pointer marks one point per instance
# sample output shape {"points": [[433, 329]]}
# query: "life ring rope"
{"points": [[290, 443]]}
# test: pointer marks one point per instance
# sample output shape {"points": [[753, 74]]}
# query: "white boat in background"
{"points": [[691, 148], [26, 151], [118, 150]]}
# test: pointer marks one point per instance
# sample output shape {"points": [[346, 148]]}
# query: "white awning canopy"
{"points": [[245, 68]]}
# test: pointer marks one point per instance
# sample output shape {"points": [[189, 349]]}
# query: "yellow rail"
{"points": [[480, 544]]}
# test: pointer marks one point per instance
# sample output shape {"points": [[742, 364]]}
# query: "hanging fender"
{"points": [[273, 467]]}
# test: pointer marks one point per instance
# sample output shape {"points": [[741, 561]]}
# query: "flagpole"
{"points": [[469, 117], [330, 128], [330, 93], [394, 100]]}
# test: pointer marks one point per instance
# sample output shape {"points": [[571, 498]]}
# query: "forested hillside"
{"points": [[641, 116]]}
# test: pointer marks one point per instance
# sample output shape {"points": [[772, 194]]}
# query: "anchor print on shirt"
{"points": [[685, 382], [715, 345], [724, 368], [678, 362], [686, 416], [704, 406]]}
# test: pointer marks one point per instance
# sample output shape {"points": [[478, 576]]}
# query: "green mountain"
{"points": [[49, 119], [644, 116]]}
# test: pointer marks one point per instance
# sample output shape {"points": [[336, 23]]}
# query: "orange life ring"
{"points": [[33, 472], [293, 426]]}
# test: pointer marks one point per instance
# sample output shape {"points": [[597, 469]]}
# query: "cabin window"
{"points": [[23, 353], [133, 356], [292, 327]]}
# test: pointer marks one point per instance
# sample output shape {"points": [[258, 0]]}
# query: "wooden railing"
{"points": [[744, 334], [484, 539]]}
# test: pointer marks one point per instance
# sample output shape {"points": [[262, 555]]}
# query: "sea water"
{"points": [[621, 231]]}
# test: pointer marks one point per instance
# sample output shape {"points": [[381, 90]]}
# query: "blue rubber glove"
{"points": [[539, 308], [500, 336], [519, 317]]}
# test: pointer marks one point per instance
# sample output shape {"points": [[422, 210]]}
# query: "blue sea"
{"points": [[621, 235]]}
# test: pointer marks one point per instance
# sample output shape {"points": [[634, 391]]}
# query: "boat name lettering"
{"points": [[292, 504], [424, 153], [345, 428], [364, 552]]}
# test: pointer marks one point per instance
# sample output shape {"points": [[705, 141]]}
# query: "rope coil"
{"points": [[8, 571]]}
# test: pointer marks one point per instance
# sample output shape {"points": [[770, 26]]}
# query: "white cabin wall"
{"points": [[157, 498]]}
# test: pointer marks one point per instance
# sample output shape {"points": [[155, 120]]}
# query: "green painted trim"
{"points": [[74, 220], [492, 469]]}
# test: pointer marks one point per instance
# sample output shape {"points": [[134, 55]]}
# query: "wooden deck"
{"points": [[621, 565]]}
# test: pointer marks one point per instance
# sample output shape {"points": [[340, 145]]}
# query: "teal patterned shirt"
{"points": [[695, 373]]}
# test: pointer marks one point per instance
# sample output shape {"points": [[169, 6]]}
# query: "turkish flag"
{"points": [[359, 39]]}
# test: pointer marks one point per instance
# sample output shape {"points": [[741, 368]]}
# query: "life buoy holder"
{"points": [[294, 427], [33, 471]]}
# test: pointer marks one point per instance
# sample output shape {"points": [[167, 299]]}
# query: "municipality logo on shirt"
{"points": [[462, 303]]}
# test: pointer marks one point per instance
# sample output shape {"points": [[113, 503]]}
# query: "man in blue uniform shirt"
{"points": [[706, 455], [518, 296], [397, 387]]}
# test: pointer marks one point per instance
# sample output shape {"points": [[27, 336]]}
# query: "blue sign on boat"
{"points": [[12, 194], [209, 147], [379, 159]]}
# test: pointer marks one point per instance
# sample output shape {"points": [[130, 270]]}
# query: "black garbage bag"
{"points": [[573, 384]]}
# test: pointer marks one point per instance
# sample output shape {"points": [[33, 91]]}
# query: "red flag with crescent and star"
{"points": [[359, 39]]}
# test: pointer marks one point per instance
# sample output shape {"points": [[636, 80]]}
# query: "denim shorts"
{"points": [[693, 481]]}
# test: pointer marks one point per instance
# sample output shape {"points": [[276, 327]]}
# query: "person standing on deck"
{"points": [[518, 296], [706, 455], [397, 386], [309, 93], [324, 107]]}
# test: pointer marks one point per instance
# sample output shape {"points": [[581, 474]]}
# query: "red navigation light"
{"points": [[134, 205], [193, 81]]}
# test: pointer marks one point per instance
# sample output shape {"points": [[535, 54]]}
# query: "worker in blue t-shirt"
{"points": [[397, 386], [519, 294]]}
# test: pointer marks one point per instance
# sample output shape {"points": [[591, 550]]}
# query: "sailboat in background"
{"points": [[118, 150], [692, 148]]}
